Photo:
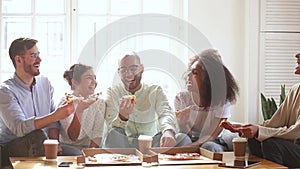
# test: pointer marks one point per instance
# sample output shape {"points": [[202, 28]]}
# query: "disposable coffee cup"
{"points": [[145, 143], [239, 163], [51, 146], [239, 146]]}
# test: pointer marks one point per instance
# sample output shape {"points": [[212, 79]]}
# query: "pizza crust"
{"points": [[92, 97], [180, 156], [129, 97]]}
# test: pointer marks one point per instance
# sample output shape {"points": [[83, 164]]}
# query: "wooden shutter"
{"points": [[278, 62], [279, 42], [280, 15]]}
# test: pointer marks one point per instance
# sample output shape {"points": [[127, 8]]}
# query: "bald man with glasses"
{"points": [[149, 114]]}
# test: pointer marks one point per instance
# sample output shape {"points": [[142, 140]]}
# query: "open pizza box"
{"points": [[114, 156], [206, 157]]}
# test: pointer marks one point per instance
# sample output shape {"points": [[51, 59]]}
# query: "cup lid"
{"points": [[145, 137], [239, 139], [50, 141]]}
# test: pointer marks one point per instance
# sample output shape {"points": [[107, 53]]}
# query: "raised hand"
{"points": [[126, 108], [183, 116]]}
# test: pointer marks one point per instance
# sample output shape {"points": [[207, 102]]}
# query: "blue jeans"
{"points": [[278, 150], [70, 150], [117, 138], [220, 144], [29, 145]]}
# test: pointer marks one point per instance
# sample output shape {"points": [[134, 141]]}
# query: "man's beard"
{"points": [[28, 69], [137, 79]]}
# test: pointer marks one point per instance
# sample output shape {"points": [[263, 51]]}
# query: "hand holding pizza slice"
{"points": [[235, 128], [129, 97], [70, 97], [92, 97]]}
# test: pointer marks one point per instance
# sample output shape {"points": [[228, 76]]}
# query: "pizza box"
{"points": [[110, 156], [212, 155], [150, 157], [206, 157]]}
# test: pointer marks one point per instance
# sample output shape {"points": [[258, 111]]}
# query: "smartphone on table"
{"points": [[65, 164]]}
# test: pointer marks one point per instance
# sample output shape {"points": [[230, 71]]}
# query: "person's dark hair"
{"points": [[19, 47], [218, 84], [75, 72]]}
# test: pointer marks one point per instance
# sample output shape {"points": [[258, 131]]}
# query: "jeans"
{"points": [[220, 144], [117, 138], [278, 150], [29, 145], [70, 150]]}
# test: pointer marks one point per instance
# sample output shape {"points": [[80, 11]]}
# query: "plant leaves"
{"points": [[269, 106], [264, 106], [282, 94]]}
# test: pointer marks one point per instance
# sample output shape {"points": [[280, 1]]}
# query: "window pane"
{"points": [[170, 85], [6, 63], [5, 76], [92, 6], [51, 32], [125, 7], [12, 28], [16, 6], [164, 7], [156, 42], [53, 6], [88, 26], [59, 84]]}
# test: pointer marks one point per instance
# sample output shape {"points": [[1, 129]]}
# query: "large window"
{"points": [[65, 28], [44, 20]]}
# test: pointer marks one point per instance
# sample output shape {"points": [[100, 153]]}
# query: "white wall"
{"points": [[225, 24]]}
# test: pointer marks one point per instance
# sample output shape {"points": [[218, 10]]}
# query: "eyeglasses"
{"points": [[132, 69], [33, 55]]}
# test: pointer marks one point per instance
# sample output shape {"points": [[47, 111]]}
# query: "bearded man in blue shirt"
{"points": [[27, 112]]}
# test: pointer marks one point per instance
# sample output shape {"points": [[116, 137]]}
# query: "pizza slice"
{"points": [[92, 159], [120, 157], [94, 97], [129, 97], [180, 156], [70, 97]]}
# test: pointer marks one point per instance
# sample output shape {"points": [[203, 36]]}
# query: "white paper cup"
{"points": [[239, 146], [51, 146], [145, 143]]}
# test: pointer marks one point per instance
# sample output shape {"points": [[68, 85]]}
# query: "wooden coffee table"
{"points": [[39, 162]]}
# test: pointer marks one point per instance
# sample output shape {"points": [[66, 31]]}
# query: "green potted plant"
{"points": [[269, 106]]}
